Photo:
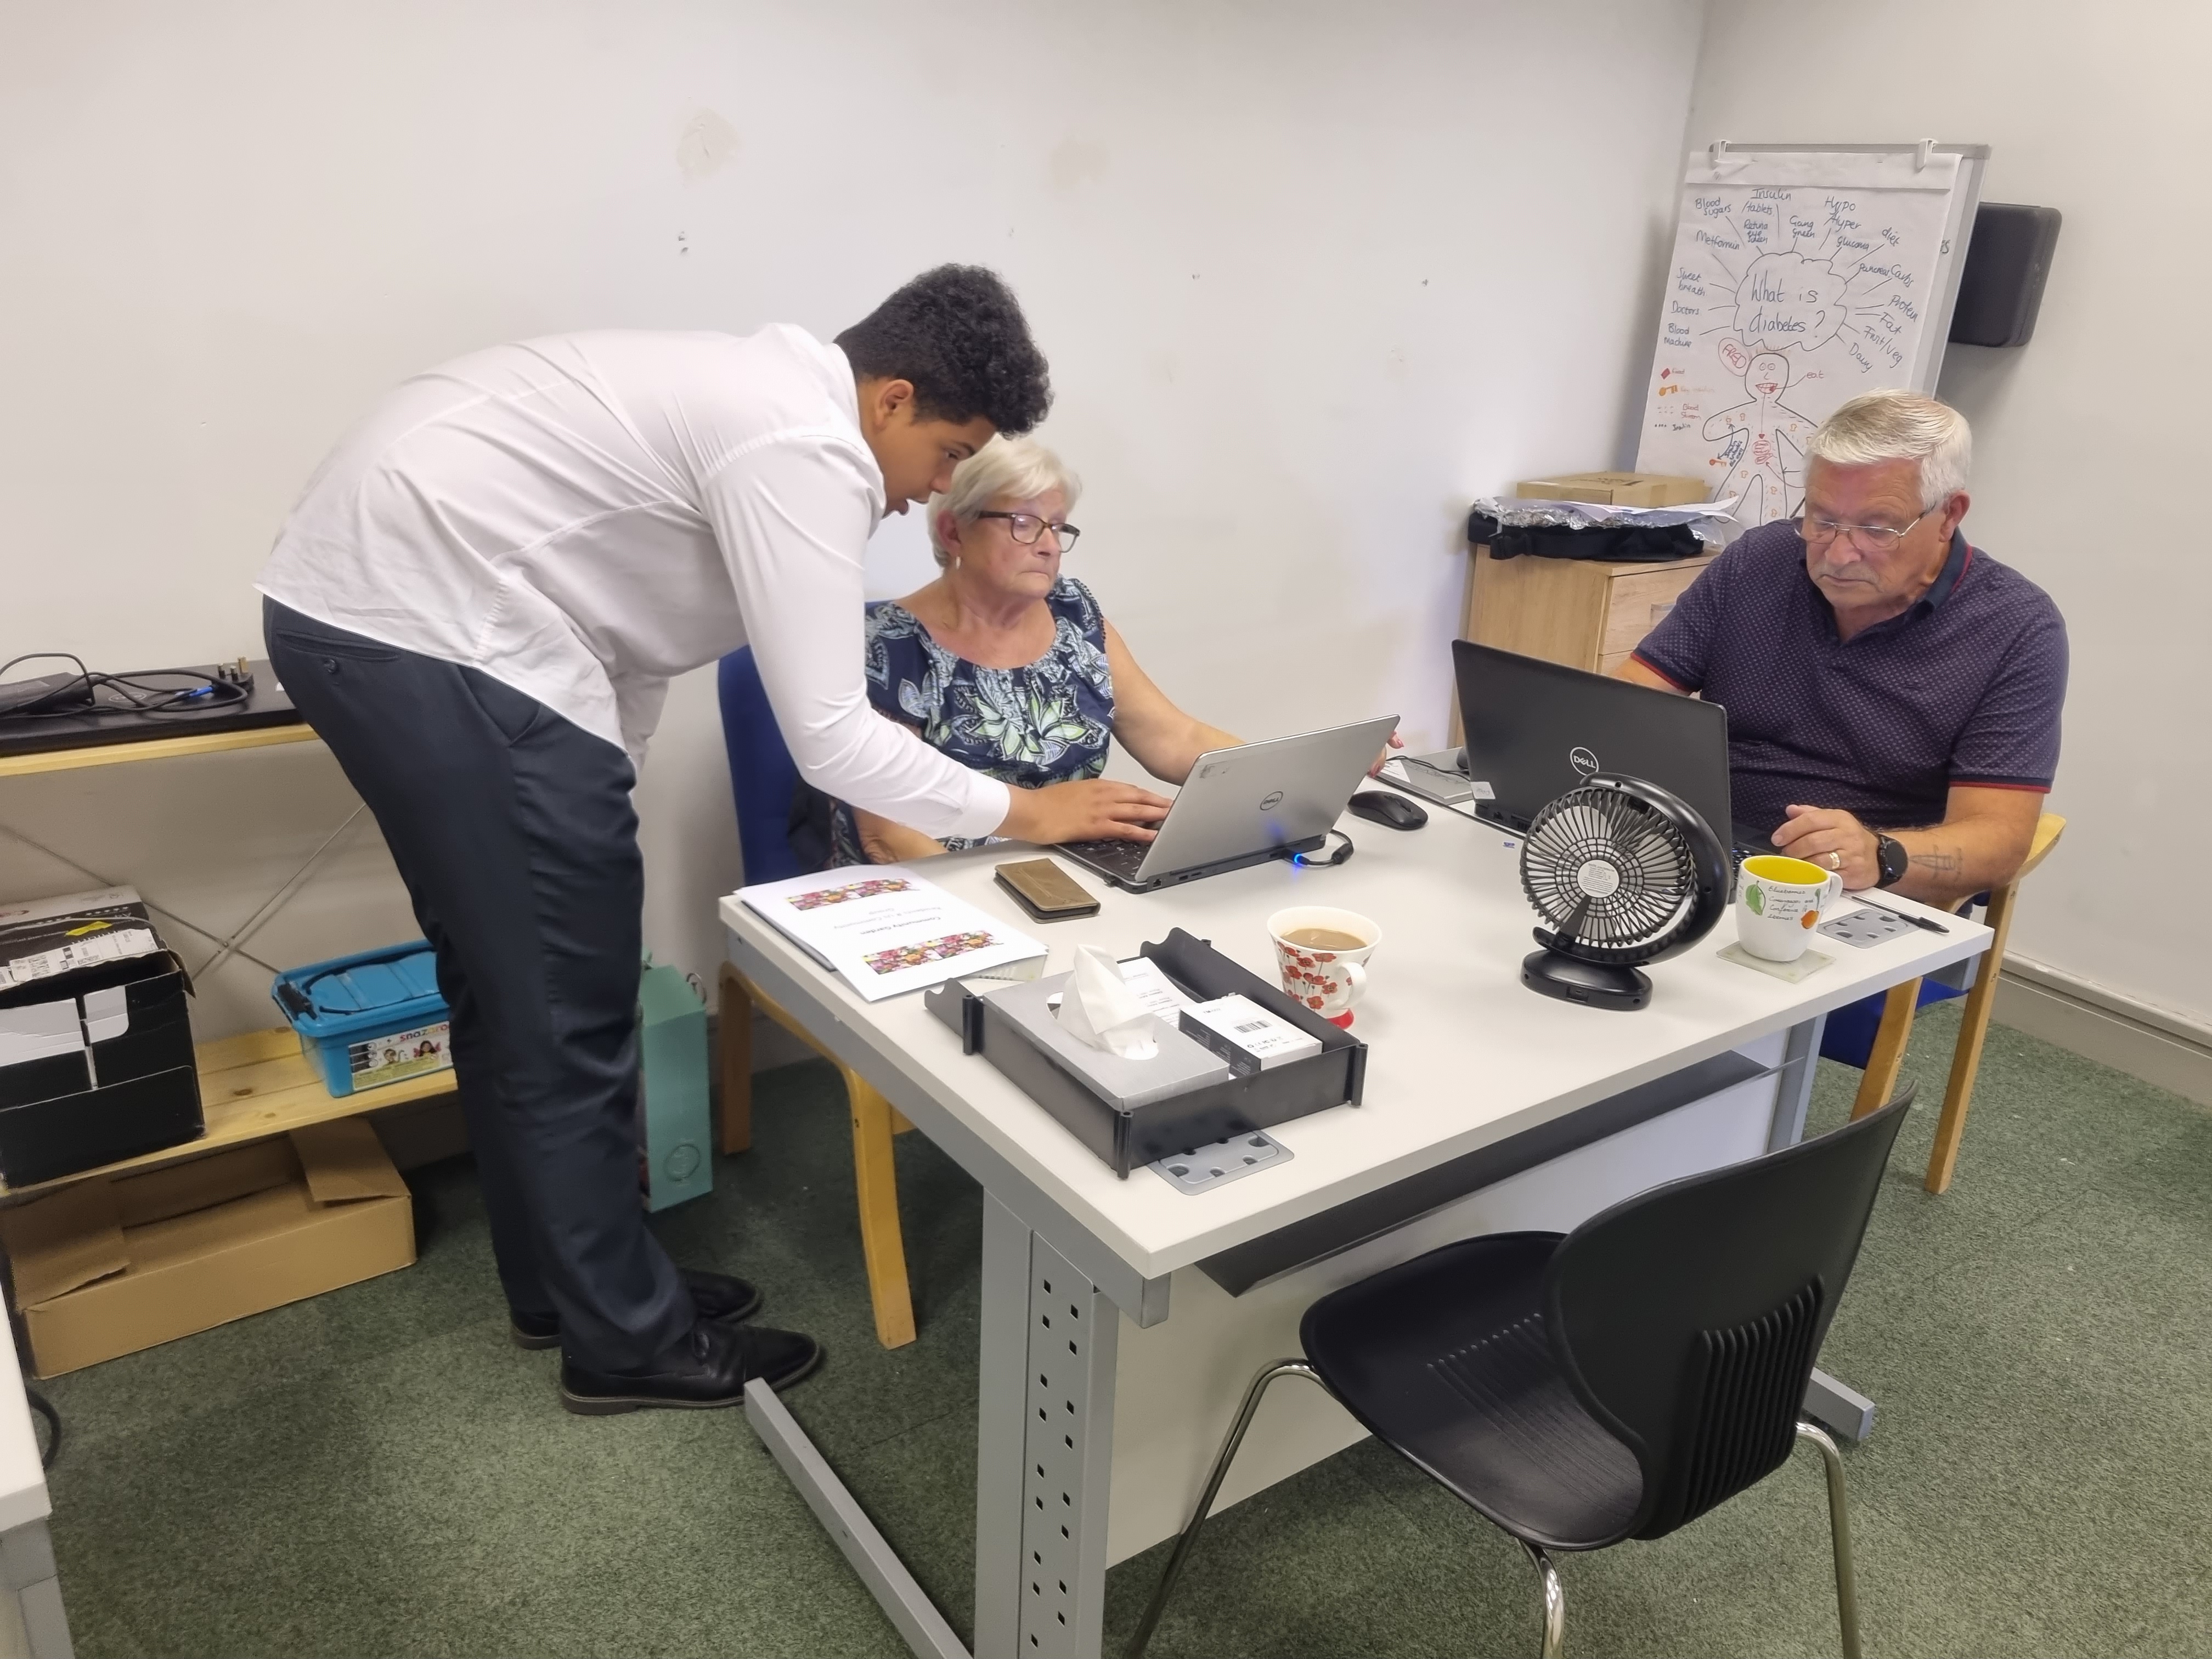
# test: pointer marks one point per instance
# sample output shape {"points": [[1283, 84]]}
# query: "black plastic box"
{"points": [[1126, 1139], [95, 1049]]}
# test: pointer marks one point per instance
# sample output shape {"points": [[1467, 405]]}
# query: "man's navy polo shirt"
{"points": [[1965, 687]]}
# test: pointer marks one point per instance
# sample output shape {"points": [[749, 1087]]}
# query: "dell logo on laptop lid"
{"points": [[1272, 802], [1582, 760]]}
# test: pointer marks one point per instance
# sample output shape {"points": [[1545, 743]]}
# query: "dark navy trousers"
{"points": [[514, 831]]}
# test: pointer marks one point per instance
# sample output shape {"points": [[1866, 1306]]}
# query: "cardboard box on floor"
{"points": [[1614, 488], [112, 1265]]}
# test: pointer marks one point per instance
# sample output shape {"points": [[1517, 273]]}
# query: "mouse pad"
{"points": [[1865, 926]]}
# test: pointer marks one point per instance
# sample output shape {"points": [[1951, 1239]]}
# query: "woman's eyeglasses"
{"points": [[1026, 527]]}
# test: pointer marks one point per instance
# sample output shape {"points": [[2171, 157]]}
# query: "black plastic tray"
{"points": [[1126, 1139]]}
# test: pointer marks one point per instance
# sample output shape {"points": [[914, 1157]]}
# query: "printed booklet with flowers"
{"points": [[886, 930]]}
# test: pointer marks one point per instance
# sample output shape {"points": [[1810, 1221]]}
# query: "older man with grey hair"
{"points": [[1893, 692]]}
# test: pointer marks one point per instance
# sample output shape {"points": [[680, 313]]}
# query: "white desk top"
{"points": [[22, 1479], [1461, 1055]]}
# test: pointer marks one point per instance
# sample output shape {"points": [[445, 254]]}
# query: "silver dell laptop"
{"points": [[1244, 806]]}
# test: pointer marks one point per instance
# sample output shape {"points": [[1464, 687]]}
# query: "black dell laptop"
{"points": [[1536, 729]]}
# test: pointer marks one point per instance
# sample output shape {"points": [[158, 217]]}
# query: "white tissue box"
{"points": [[1179, 1065], [1246, 1034]]}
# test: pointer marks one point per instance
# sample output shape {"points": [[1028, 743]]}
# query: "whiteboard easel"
{"points": [[1802, 275]]}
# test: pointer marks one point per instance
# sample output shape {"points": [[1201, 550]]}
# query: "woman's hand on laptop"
{"points": [[1088, 809]]}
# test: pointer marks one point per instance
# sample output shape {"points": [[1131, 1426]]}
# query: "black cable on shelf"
{"points": [[78, 697]]}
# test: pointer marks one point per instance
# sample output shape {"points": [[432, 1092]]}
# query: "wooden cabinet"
{"points": [[1577, 612]]}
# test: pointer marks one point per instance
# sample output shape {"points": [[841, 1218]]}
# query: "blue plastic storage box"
{"points": [[371, 1019]]}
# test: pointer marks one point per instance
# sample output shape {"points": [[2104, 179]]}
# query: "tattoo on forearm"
{"points": [[1939, 861]]}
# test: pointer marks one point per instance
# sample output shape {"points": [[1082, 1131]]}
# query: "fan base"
{"points": [[1595, 984]]}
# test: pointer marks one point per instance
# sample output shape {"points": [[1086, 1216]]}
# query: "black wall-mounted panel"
{"points": [[2000, 289]]}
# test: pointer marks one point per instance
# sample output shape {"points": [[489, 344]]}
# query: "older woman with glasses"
{"points": [[1005, 664]]}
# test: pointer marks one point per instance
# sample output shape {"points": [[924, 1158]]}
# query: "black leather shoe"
{"points": [[707, 1369], [716, 1295], [533, 1330], [721, 1297]]}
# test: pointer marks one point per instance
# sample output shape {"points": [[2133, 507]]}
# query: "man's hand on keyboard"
{"points": [[1089, 809]]}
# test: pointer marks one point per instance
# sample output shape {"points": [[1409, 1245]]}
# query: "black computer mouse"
{"points": [[1381, 806]]}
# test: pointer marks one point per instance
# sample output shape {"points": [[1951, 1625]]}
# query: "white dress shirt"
{"points": [[585, 515]]}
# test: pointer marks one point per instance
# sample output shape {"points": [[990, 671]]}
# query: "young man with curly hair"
{"points": [[478, 604]]}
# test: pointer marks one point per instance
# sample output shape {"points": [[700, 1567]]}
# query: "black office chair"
{"points": [[1614, 1383]]}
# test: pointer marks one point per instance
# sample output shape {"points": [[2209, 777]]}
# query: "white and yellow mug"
{"points": [[1778, 901]]}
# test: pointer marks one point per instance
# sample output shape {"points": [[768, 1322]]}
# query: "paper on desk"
{"points": [[883, 929]]}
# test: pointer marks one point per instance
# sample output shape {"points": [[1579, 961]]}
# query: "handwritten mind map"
{"points": [[1785, 297]]}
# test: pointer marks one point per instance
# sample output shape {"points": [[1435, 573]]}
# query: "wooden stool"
{"points": [[1880, 1082], [875, 1120]]}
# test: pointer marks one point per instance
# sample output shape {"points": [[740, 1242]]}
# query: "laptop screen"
{"points": [[1261, 796], [1536, 729]]}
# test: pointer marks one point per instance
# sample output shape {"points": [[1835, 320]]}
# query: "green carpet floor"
{"points": [[377, 1472]]}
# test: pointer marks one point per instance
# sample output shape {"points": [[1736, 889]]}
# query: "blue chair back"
{"points": [[1849, 1035], [763, 776]]}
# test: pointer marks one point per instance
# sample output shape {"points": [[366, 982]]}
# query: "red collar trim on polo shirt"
{"points": [[1948, 579]]}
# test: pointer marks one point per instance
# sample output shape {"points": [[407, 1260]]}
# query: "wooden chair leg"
{"points": [[734, 1037], [1966, 1058], [875, 1174], [1887, 1056], [882, 1241]]}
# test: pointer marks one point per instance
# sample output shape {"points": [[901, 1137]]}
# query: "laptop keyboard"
{"points": [[1121, 857]]}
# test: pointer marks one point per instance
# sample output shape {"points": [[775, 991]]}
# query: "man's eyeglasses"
{"points": [[1026, 527], [1872, 539]]}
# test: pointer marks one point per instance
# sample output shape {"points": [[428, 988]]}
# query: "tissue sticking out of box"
{"points": [[1099, 1009]]}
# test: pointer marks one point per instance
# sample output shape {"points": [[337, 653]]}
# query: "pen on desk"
{"points": [[1890, 910]]}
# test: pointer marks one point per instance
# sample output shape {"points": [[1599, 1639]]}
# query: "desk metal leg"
{"points": [[1839, 1407], [911, 1609], [1793, 1083], [1045, 1449], [1001, 1436], [33, 1623]]}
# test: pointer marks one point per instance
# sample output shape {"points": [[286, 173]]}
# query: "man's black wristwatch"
{"points": [[1891, 858]]}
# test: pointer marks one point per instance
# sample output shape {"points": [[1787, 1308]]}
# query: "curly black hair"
{"points": [[957, 333]]}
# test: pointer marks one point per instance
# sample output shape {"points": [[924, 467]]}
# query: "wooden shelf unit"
{"points": [[258, 1084], [255, 1085], [184, 742]]}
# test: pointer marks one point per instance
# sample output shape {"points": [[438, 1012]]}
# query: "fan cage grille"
{"points": [[1654, 875]]}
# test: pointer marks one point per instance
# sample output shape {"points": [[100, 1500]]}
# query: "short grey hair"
{"points": [[1899, 426], [1020, 468]]}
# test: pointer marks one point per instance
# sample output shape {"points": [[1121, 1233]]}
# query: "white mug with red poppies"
{"points": [[1327, 978]]}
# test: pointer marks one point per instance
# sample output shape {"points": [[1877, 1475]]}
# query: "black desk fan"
{"points": [[1624, 872]]}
